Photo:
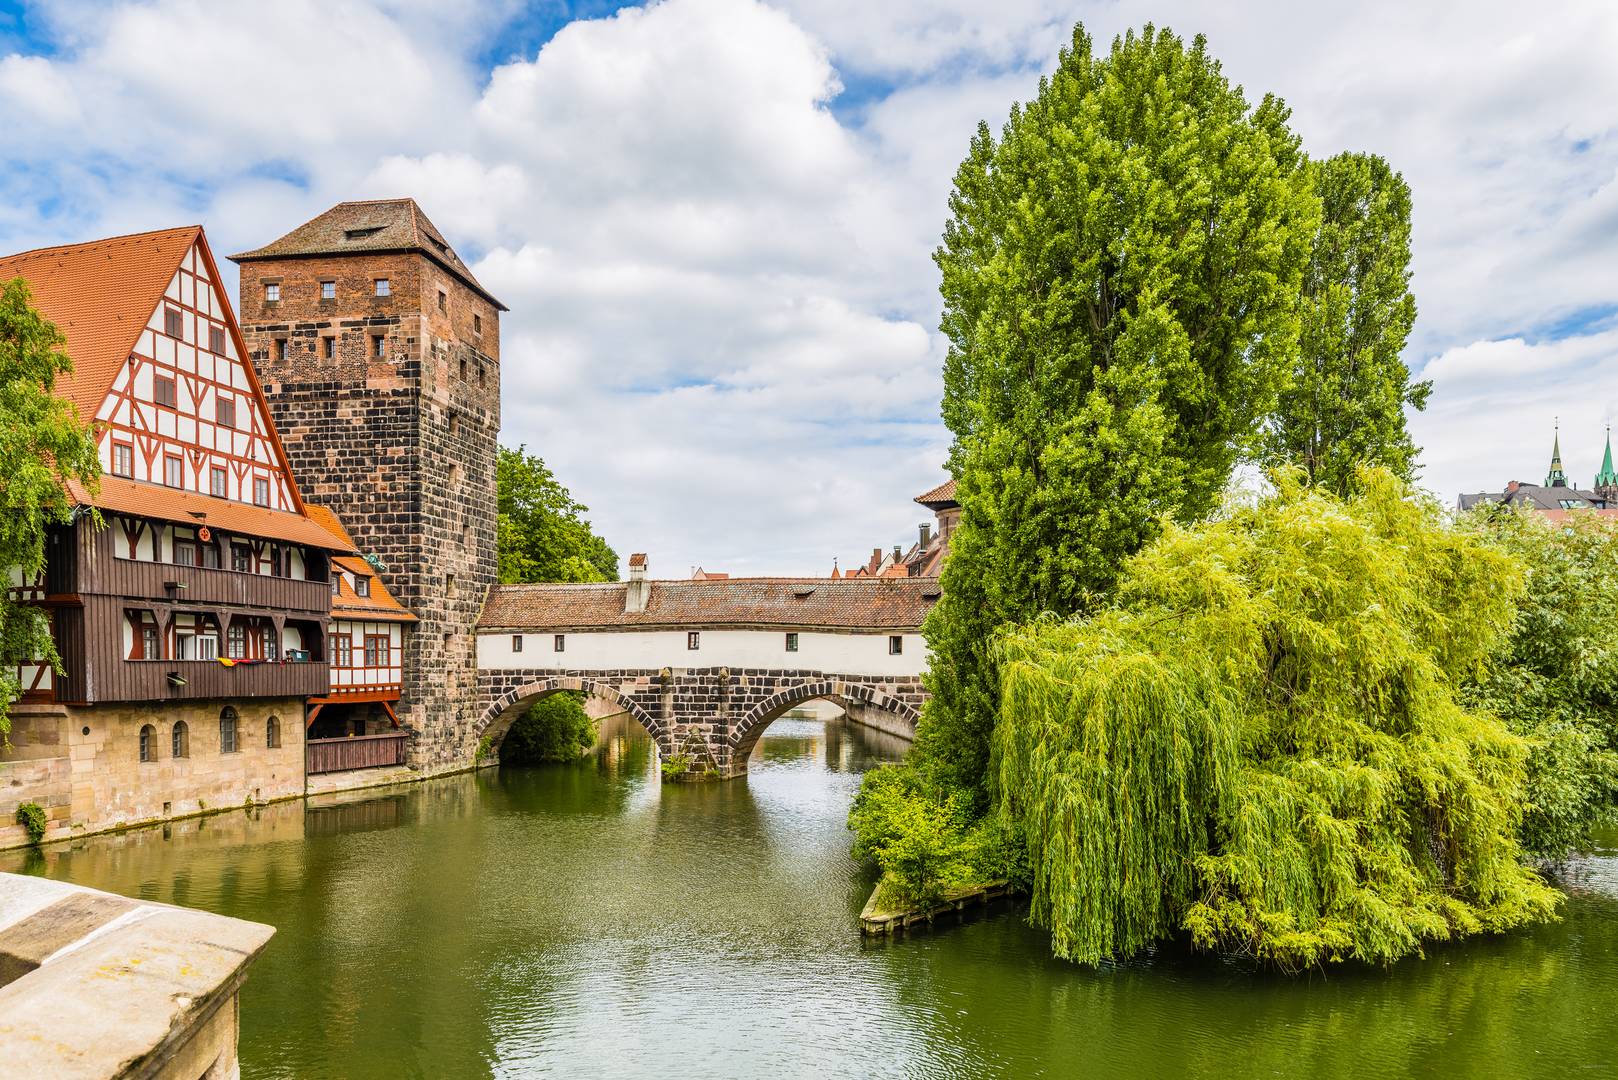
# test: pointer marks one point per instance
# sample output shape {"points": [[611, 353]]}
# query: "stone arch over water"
{"points": [[503, 711], [747, 731]]}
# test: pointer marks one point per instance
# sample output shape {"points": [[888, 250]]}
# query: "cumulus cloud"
{"points": [[713, 219]]}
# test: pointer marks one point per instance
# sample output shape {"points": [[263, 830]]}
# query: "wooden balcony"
{"points": [[356, 752]]}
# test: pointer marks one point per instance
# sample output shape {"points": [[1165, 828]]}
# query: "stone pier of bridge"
{"points": [[705, 721]]}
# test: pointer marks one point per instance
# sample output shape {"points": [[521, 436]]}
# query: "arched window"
{"points": [[148, 743], [227, 731], [272, 733], [182, 739]]}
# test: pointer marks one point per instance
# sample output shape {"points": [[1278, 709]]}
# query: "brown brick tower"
{"points": [[379, 353]]}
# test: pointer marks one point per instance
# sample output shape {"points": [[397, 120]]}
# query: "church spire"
{"points": [[1607, 480], [1556, 477]]}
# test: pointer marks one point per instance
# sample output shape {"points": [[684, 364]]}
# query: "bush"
{"points": [[31, 816], [920, 842], [1554, 678], [554, 728], [1261, 745]]}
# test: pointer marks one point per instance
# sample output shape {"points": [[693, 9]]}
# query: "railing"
{"points": [[356, 752]]}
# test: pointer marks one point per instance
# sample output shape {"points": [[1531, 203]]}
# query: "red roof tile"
{"points": [[940, 496], [140, 499], [893, 604]]}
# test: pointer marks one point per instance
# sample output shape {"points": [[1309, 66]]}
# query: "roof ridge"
{"points": [[102, 240]]}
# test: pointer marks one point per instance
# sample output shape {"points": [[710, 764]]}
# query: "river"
{"points": [[587, 921]]}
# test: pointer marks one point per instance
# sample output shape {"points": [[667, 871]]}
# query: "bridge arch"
{"points": [[501, 713], [746, 733]]}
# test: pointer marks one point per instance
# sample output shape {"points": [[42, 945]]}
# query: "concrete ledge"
{"points": [[97, 985], [357, 779]]}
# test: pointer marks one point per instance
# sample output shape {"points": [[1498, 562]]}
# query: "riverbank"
{"points": [[883, 915]]}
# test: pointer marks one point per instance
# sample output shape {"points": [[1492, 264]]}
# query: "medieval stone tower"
{"points": [[379, 353]]}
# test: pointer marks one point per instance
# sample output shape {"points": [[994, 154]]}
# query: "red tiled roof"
{"points": [[893, 604], [373, 225], [100, 294], [940, 496], [139, 499], [380, 604]]}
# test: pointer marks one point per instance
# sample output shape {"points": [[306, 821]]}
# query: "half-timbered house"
{"points": [[192, 625]]}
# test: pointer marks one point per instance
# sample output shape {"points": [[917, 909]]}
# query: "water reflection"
{"points": [[587, 920]]}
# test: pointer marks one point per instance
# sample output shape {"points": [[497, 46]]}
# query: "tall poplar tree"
{"points": [[1120, 279], [1344, 403], [42, 445]]}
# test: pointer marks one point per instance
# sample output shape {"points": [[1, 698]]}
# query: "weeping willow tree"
{"points": [[1258, 745]]}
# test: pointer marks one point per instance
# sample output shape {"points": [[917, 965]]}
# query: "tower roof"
{"points": [[376, 225], [1557, 477], [939, 497], [100, 295], [1607, 477]]}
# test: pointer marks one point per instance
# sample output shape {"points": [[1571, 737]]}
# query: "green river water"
{"points": [[587, 921]]}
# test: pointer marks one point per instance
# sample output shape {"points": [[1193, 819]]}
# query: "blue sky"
{"points": [[713, 219]]}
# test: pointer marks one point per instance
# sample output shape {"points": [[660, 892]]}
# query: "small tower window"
{"points": [[480, 375], [328, 290], [378, 346], [280, 348], [443, 300], [383, 287], [463, 367], [477, 325], [449, 584], [272, 292], [328, 347], [454, 424]]}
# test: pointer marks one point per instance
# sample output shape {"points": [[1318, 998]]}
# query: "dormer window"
{"points": [[361, 233], [362, 586]]}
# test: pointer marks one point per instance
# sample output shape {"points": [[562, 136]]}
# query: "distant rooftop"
{"points": [[375, 225]]}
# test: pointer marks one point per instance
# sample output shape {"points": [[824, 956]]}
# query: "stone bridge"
{"points": [[708, 719]]}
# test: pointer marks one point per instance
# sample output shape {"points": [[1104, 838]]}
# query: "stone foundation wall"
{"points": [[97, 781]]}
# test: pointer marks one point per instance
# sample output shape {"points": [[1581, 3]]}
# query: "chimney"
{"points": [[898, 555], [926, 534], [640, 590]]}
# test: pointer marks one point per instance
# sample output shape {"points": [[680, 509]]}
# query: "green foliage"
{"points": [[1259, 744], [1344, 402], [31, 816], [1120, 276], [42, 445], [541, 532], [1554, 680], [554, 728], [922, 844], [677, 765]]}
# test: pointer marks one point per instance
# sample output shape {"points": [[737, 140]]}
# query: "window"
{"points": [[693, 640], [482, 375], [225, 411], [477, 325], [218, 481], [328, 347], [378, 346], [163, 390], [143, 640], [896, 644], [463, 367], [328, 290], [241, 558], [559, 643], [210, 555], [383, 288], [227, 731], [362, 585], [236, 641], [186, 552], [443, 300], [342, 650], [376, 651], [207, 646], [148, 743], [792, 643], [261, 491], [123, 459], [516, 643], [272, 292], [272, 733], [454, 423], [180, 740], [449, 584], [173, 326], [216, 340], [268, 647], [173, 471], [280, 348]]}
